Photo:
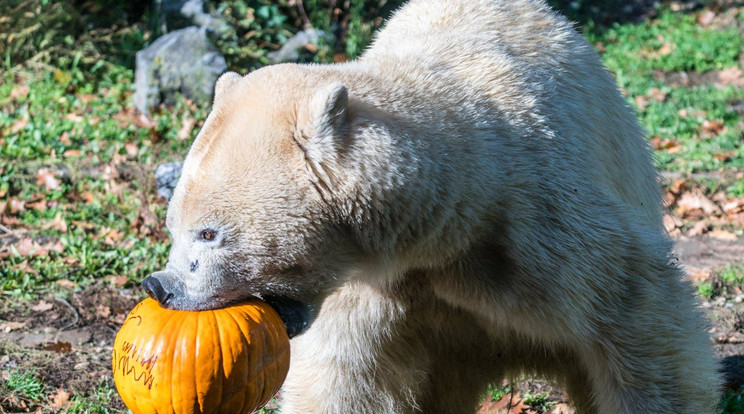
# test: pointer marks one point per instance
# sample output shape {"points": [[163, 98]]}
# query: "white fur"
{"points": [[470, 200]]}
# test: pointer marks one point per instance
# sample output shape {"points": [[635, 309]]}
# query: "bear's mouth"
{"points": [[295, 315]]}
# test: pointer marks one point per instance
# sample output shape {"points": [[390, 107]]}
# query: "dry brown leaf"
{"points": [[712, 128], [47, 178], [118, 281], [60, 398], [723, 235], [666, 49], [698, 228], [730, 76], [73, 117], [57, 223], [103, 311], [15, 206], [705, 18], [131, 149], [65, 138], [641, 102], [19, 91], [670, 224], [18, 125], [696, 200], [185, 131], [72, 153], [65, 283], [11, 326], [698, 274], [657, 94], [724, 156], [42, 306]]}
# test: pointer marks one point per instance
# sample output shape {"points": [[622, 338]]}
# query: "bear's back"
{"points": [[542, 78]]}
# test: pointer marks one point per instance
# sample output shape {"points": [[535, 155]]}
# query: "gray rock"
{"points": [[167, 176], [181, 62], [290, 51], [178, 14]]}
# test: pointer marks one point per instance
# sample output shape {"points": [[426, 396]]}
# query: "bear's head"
{"points": [[252, 213]]}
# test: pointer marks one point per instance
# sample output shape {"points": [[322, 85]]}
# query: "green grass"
{"points": [[88, 131], [705, 289], [24, 384], [99, 402], [733, 273], [639, 56]]}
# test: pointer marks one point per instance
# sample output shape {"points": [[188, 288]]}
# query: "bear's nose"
{"points": [[155, 289]]}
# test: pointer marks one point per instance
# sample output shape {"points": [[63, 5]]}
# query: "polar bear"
{"points": [[470, 200]]}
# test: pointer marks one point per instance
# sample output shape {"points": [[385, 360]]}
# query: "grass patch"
{"points": [[706, 289], [696, 128], [25, 384], [733, 274]]}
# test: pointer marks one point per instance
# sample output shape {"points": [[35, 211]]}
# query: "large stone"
{"points": [[181, 62]]}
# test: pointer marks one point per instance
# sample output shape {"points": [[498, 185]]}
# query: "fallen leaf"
{"points": [[669, 223], [712, 128], [670, 145], [61, 398], [185, 131], [59, 346], [74, 117], [698, 275], [666, 49], [696, 200], [723, 235], [131, 149], [46, 178], [724, 156], [19, 91], [706, 17], [18, 125], [698, 228], [103, 311], [11, 326], [42, 306], [15, 206], [118, 281], [730, 76], [57, 223], [72, 153], [657, 94], [641, 102], [68, 284], [65, 138]]}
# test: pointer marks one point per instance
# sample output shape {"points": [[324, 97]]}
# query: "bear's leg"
{"points": [[358, 356], [371, 351], [652, 356]]}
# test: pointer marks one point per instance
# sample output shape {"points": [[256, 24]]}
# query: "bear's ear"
{"points": [[326, 122], [224, 82]]}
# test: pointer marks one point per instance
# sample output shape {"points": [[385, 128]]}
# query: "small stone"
{"points": [[167, 176]]}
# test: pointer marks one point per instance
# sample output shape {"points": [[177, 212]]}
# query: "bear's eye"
{"points": [[208, 235]]}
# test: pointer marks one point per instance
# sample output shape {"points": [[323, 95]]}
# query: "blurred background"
{"points": [[100, 100]]}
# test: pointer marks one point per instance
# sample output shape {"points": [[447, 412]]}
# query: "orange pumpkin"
{"points": [[230, 360]]}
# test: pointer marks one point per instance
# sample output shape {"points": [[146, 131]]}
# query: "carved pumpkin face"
{"points": [[230, 360]]}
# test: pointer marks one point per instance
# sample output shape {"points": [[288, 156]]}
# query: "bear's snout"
{"points": [[160, 287]]}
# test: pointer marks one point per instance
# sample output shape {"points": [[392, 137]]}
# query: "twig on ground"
{"points": [[74, 311], [305, 19]]}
